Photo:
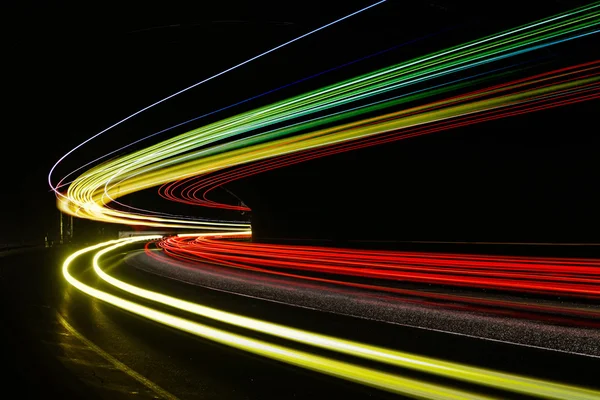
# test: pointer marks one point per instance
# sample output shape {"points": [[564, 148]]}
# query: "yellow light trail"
{"points": [[89, 194], [345, 370]]}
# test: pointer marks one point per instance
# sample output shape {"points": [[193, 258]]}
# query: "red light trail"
{"points": [[556, 276]]}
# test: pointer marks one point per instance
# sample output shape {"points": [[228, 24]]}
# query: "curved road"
{"points": [[60, 342]]}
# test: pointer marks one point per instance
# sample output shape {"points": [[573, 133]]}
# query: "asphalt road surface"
{"points": [[59, 343]]}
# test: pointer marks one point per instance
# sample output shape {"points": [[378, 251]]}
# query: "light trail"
{"points": [[191, 154], [344, 370], [388, 123], [195, 190], [200, 83], [381, 380], [63, 182], [253, 281], [555, 276]]}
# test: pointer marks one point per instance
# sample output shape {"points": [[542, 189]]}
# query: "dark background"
{"points": [[72, 69]]}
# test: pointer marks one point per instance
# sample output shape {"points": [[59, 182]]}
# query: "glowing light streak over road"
{"points": [[344, 370], [372, 377], [558, 276]]}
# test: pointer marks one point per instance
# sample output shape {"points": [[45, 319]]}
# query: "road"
{"points": [[60, 342]]}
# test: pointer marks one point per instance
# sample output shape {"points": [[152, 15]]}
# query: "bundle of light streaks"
{"points": [[196, 190], [62, 181], [558, 276], [288, 126], [388, 381], [555, 312]]}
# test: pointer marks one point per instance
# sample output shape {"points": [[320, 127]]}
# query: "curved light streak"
{"points": [[259, 276], [329, 366], [381, 380], [62, 183], [569, 277], [149, 176], [190, 154], [200, 83], [194, 191]]}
